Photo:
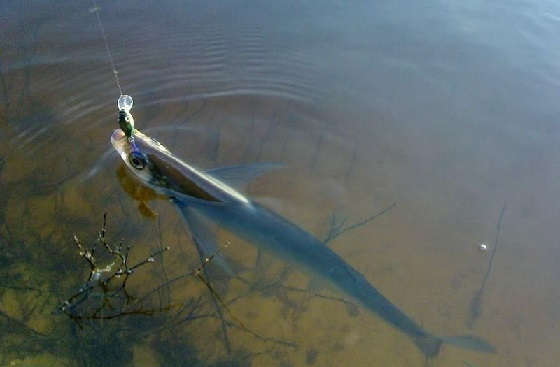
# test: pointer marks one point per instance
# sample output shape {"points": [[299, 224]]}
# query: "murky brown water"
{"points": [[449, 110]]}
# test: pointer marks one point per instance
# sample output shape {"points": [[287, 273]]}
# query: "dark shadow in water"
{"points": [[141, 194], [475, 309]]}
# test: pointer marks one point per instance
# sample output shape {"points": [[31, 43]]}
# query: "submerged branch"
{"points": [[103, 278], [337, 228]]}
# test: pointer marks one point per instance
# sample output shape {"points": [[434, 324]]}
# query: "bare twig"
{"points": [[337, 228], [102, 278], [203, 276]]}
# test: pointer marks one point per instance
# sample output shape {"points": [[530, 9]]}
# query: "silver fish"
{"points": [[203, 196]]}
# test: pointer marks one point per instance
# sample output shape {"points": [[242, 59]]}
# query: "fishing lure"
{"points": [[126, 123]]}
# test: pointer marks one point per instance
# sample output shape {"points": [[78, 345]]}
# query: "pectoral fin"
{"points": [[204, 237]]}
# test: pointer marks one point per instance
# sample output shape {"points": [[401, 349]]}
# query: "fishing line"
{"points": [[124, 103], [95, 10]]}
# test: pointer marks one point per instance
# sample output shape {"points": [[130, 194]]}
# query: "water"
{"points": [[448, 109]]}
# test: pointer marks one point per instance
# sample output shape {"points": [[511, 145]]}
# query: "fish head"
{"points": [[135, 155], [154, 165]]}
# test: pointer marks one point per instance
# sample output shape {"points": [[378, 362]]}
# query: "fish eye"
{"points": [[137, 160]]}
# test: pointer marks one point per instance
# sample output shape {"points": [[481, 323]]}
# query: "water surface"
{"points": [[449, 109]]}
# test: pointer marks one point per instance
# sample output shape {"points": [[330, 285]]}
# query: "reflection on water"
{"points": [[448, 109]]}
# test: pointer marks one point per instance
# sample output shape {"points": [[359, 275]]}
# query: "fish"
{"points": [[203, 197]]}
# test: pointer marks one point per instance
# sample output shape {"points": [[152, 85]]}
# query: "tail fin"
{"points": [[430, 345]]}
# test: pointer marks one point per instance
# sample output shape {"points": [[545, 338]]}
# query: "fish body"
{"points": [[195, 191], [273, 233]]}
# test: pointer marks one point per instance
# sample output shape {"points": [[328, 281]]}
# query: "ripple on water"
{"points": [[192, 57], [191, 60]]}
